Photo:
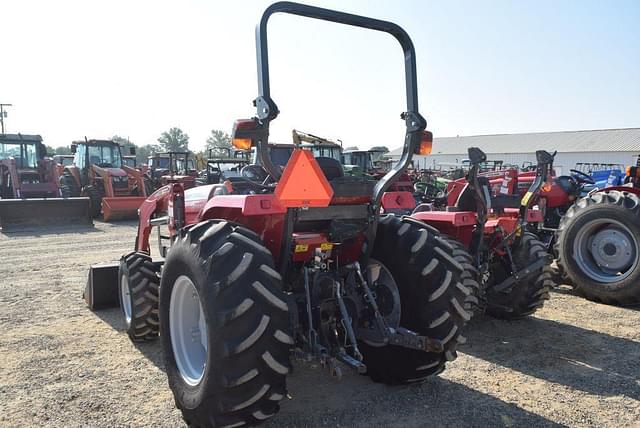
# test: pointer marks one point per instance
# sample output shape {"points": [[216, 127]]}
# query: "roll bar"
{"points": [[267, 109]]}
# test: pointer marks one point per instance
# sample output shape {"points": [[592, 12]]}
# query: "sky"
{"points": [[136, 68]]}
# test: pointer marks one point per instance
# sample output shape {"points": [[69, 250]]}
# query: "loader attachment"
{"points": [[101, 291], [121, 208], [38, 211]]}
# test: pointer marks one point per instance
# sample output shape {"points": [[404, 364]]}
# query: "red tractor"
{"points": [[170, 166], [303, 262], [507, 269], [29, 189], [98, 171], [594, 237], [597, 243]]}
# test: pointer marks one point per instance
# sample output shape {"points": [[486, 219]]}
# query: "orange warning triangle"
{"points": [[303, 183]]}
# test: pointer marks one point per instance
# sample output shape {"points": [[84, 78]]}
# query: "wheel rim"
{"points": [[606, 250], [125, 295], [188, 329], [386, 294]]}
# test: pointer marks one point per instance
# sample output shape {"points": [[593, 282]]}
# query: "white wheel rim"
{"points": [[125, 295], [188, 330]]}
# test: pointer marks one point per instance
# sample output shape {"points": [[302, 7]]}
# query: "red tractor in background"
{"points": [[29, 189], [595, 238], [301, 262], [597, 242], [115, 189], [507, 268], [170, 167]]}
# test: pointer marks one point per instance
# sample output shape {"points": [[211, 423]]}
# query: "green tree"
{"points": [[63, 150], [219, 142], [174, 140]]}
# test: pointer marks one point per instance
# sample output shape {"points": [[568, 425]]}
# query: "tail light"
{"points": [[426, 144], [243, 132]]}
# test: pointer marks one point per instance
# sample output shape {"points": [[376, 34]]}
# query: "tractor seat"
{"points": [[331, 168]]}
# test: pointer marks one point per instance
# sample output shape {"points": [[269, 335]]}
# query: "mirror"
{"points": [[74, 147]]}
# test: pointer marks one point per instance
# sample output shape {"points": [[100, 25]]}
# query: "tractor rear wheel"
{"points": [[530, 292], [598, 247], [224, 326], [95, 200], [474, 303], [138, 284], [431, 296]]}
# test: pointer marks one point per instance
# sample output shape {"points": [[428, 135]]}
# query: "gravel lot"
{"points": [[574, 363]]}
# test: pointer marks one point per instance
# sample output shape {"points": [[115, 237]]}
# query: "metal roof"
{"points": [[17, 138], [601, 140]]}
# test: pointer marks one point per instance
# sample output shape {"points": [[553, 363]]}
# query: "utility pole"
{"points": [[3, 114]]}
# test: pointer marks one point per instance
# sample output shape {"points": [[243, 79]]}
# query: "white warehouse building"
{"points": [[609, 146]]}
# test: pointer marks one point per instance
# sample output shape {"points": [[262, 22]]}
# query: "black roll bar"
{"points": [[267, 109]]}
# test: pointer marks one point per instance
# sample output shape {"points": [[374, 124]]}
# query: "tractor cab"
{"points": [[171, 166], [357, 162], [99, 172], [223, 164], [25, 172], [320, 147]]}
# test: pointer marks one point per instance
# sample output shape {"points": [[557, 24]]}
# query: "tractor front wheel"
{"points": [[598, 247], [431, 298], [138, 283], [95, 200], [529, 292], [224, 326]]}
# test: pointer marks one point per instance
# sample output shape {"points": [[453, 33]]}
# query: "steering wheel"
{"points": [[254, 173], [581, 177]]}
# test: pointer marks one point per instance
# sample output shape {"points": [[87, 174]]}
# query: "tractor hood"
{"points": [[116, 172]]}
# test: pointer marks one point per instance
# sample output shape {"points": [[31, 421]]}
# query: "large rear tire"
{"points": [[431, 295], [527, 295], [474, 303], [138, 286], [224, 325], [598, 247]]}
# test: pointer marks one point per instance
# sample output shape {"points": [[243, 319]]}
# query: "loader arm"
{"points": [[106, 179]]}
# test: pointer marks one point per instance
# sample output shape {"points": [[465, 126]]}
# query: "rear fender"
{"points": [[458, 224], [397, 201], [261, 213], [628, 189]]}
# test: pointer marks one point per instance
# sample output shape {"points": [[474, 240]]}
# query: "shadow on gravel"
{"points": [[151, 349], [317, 400], [569, 291], [586, 360]]}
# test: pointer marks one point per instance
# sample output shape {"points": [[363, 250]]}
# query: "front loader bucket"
{"points": [[121, 208], [101, 291], [39, 211]]}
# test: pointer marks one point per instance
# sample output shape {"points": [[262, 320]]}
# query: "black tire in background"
{"points": [[138, 291], [247, 324], [95, 199], [432, 299], [529, 294], [587, 227]]}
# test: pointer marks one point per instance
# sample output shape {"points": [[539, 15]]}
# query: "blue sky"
{"points": [[76, 68]]}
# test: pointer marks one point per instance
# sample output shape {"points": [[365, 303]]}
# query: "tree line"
{"points": [[173, 140], [176, 140]]}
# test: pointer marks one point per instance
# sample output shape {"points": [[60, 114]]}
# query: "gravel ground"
{"points": [[574, 363]]}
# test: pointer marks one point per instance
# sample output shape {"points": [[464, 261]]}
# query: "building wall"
{"points": [[563, 161]]}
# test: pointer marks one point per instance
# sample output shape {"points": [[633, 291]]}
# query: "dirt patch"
{"points": [[574, 363]]}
